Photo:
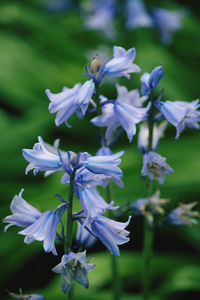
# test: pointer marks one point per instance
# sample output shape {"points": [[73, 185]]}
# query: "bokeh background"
{"points": [[45, 44]]}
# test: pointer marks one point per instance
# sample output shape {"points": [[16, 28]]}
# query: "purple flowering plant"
{"points": [[99, 219]]}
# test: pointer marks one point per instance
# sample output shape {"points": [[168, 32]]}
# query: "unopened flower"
{"points": [[155, 166], [183, 215], [143, 136], [110, 233], [73, 267], [150, 81]]}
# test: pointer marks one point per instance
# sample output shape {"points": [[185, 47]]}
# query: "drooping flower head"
{"points": [[183, 215], [126, 111], [110, 233], [70, 101], [155, 166], [137, 15], [73, 267], [150, 81], [180, 114]]}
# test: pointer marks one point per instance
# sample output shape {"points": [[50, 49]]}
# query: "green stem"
{"points": [[116, 283], [69, 227], [148, 232]]}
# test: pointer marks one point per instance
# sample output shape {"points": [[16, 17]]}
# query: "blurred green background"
{"points": [[43, 48]]}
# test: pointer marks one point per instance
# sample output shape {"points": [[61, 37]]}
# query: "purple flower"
{"points": [[150, 81], [41, 158], [110, 233], [155, 166], [93, 204], [167, 22], [180, 114], [84, 237], [73, 267], [126, 111], [143, 136], [137, 15], [24, 214], [183, 215], [105, 164], [70, 101], [43, 229], [121, 64]]}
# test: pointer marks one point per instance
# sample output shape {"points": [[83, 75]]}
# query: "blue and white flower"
{"points": [[150, 81], [180, 114], [167, 22], [121, 64], [137, 15], [110, 233], [155, 166], [70, 101], [143, 136], [93, 204], [23, 214], [126, 111], [42, 158], [43, 229], [183, 215], [73, 267], [84, 237]]}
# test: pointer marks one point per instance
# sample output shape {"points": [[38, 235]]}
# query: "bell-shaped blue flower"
{"points": [[93, 204], [70, 101], [121, 64], [155, 166], [137, 15], [105, 164], [126, 111], [183, 215], [41, 158], [110, 233], [23, 215], [84, 237], [43, 229], [150, 81], [143, 136], [73, 267], [180, 114]]}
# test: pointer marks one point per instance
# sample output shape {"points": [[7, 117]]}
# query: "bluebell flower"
{"points": [[24, 214], [84, 237], [26, 296], [155, 166], [105, 164], [183, 215], [121, 64], [110, 233], [167, 22], [73, 267], [137, 15], [43, 229], [41, 158], [126, 111], [70, 101], [180, 114], [102, 17], [149, 206], [150, 81], [93, 204], [143, 136]]}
